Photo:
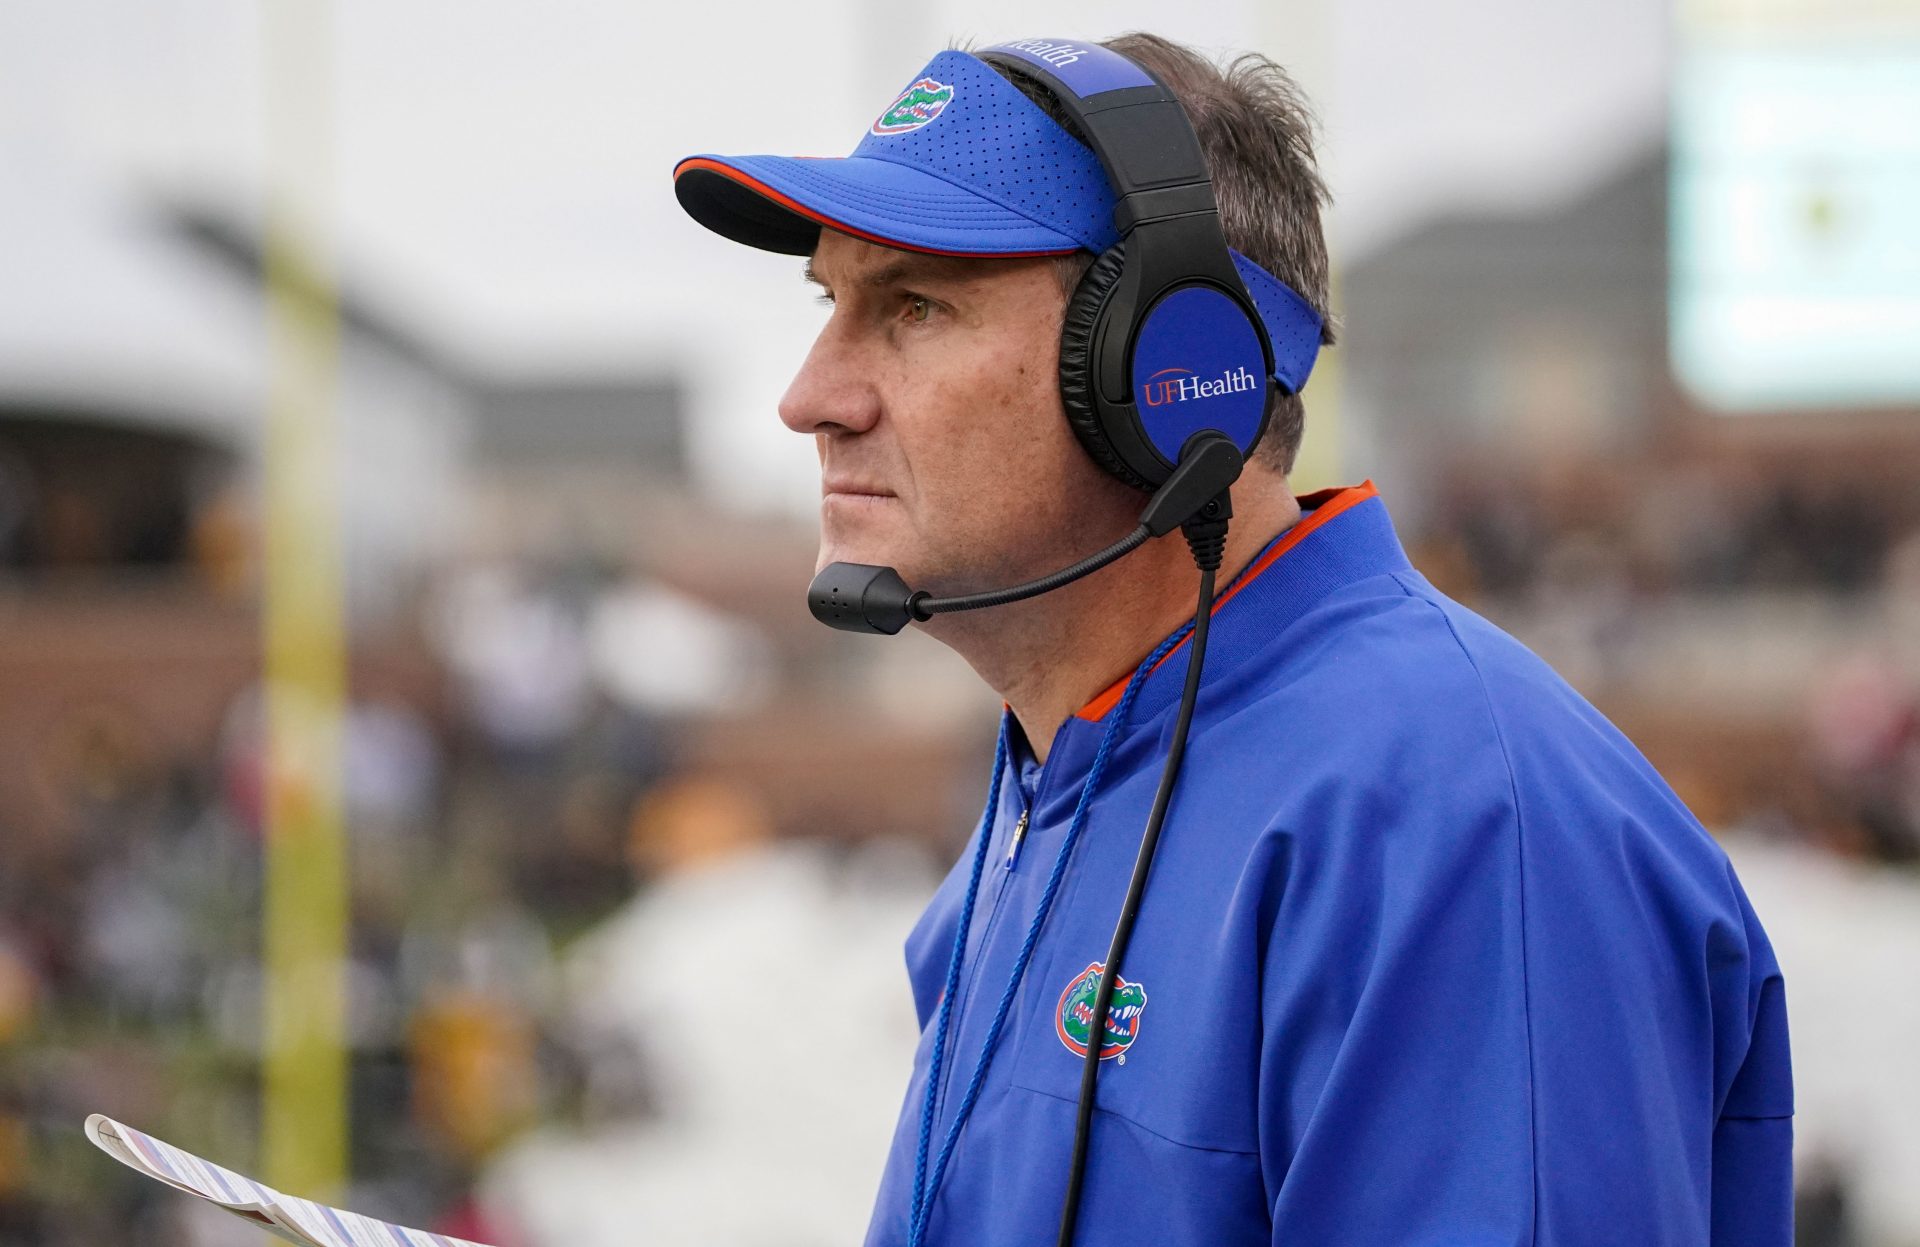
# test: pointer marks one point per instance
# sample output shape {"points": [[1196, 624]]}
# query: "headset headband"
{"points": [[1176, 300], [1134, 124]]}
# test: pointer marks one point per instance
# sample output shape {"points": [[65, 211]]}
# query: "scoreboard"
{"points": [[1794, 277]]}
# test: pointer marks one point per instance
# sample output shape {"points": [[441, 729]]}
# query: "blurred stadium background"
{"points": [[1631, 305]]}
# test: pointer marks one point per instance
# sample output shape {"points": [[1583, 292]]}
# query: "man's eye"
{"points": [[918, 309]]}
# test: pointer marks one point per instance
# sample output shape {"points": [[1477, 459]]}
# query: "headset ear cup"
{"points": [[1076, 362]]}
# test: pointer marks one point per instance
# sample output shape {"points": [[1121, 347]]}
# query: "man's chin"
{"points": [[854, 527], [873, 554], [861, 538], [920, 568]]}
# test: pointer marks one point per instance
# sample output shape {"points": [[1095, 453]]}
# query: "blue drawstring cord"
{"points": [[925, 1186], [929, 1108]]}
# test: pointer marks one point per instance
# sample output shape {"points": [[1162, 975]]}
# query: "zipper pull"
{"points": [[1019, 838]]}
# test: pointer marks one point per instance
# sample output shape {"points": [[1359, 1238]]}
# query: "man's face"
{"points": [[932, 395]]}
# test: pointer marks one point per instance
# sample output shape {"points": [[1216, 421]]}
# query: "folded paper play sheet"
{"points": [[296, 1220]]}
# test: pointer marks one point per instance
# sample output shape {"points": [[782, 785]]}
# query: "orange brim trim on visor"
{"points": [[820, 218]]}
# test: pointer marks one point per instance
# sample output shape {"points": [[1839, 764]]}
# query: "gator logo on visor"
{"points": [[1075, 1016], [917, 105]]}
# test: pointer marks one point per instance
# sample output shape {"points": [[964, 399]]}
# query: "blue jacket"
{"points": [[1430, 956]]}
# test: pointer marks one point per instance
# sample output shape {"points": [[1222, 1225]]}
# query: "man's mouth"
{"points": [[838, 487]]}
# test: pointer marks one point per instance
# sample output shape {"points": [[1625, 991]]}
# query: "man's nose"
{"points": [[832, 392]]}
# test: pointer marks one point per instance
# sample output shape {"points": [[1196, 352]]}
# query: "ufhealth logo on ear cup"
{"points": [[1199, 362], [1076, 363]]}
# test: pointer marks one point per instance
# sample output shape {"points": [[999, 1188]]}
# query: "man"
{"points": [[1429, 955]]}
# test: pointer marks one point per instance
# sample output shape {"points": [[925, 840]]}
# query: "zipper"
{"points": [[1015, 842], [964, 1004], [1019, 838]]}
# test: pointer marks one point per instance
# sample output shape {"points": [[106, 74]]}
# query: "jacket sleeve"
{"points": [[1493, 1017], [1753, 1139]]}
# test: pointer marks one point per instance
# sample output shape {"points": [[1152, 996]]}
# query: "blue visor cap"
{"points": [[960, 163]]}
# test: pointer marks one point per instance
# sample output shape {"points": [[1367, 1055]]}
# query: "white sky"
{"points": [[499, 171]]}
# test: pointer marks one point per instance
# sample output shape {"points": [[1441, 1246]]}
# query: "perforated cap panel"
{"points": [[960, 163], [997, 143], [1293, 327]]}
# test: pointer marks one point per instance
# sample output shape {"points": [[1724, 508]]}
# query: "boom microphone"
{"points": [[860, 597]]}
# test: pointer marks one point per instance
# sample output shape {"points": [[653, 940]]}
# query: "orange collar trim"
{"points": [[1325, 504]]}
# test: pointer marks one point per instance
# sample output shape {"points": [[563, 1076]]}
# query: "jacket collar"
{"points": [[1344, 535]]}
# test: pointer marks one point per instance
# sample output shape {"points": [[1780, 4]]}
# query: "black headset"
{"points": [[1169, 276], [1174, 349]]}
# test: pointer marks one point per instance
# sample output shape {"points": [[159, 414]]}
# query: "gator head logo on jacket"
{"points": [[1075, 1016], [917, 105]]}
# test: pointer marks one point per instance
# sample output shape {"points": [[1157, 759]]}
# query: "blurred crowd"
{"points": [[534, 832]]}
